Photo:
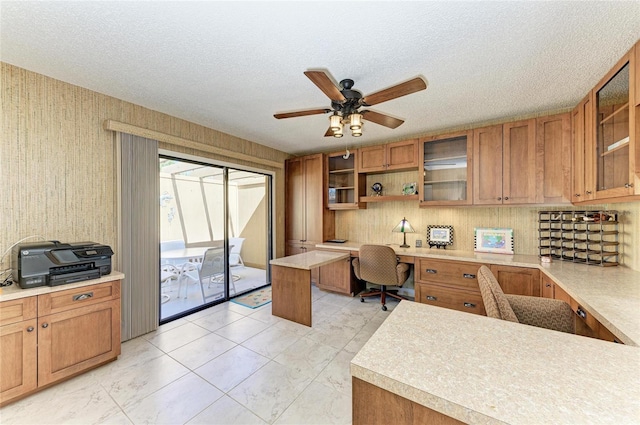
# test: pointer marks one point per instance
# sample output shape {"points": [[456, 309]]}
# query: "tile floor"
{"points": [[225, 365]]}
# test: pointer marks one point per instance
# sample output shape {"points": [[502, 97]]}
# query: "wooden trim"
{"points": [[118, 126]]}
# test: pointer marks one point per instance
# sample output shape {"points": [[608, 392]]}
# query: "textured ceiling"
{"points": [[232, 65]]}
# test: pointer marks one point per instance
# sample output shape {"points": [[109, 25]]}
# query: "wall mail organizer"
{"points": [[589, 237]]}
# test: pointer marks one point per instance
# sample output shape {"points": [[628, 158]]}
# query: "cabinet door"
{"points": [[487, 165], [517, 280], [18, 366], [319, 222], [344, 184], [295, 196], [336, 277], [578, 157], [519, 162], [402, 155], [373, 158], [553, 159], [75, 340], [548, 287]]}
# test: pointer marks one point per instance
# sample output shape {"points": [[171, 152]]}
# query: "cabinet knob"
{"points": [[548, 285], [45, 325], [588, 192], [30, 329], [432, 298], [577, 195], [628, 185], [499, 198], [506, 198], [469, 305]]}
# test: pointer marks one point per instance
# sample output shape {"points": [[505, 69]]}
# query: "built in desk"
{"points": [[291, 283]]}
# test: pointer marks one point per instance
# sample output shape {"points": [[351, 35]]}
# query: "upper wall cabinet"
{"points": [[390, 157], [446, 174], [584, 185], [345, 186], [553, 159], [504, 164]]}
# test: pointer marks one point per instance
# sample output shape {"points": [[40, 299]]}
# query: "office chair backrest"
{"points": [[212, 263], [378, 265], [495, 303]]}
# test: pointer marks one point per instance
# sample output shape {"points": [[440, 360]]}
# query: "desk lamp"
{"points": [[404, 227]]}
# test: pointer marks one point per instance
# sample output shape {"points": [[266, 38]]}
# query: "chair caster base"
{"points": [[361, 299], [384, 308]]}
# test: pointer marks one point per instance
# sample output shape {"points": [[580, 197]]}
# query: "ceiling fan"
{"points": [[346, 103]]}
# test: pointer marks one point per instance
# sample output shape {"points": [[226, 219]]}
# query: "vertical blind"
{"points": [[138, 255]]}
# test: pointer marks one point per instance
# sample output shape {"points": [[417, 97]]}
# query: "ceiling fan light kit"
{"points": [[346, 102]]}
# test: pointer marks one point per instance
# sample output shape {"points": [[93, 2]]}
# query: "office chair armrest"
{"points": [[543, 312], [402, 272], [356, 267]]}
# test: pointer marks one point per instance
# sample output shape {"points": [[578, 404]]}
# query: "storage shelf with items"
{"points": [[589, 237], [344, 184]]}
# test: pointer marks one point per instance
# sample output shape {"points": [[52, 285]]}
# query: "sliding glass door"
{"points": [[215, 234]]}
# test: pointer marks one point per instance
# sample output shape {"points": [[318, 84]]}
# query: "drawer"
{"points": [[458, 273], [15, 311], [470, 302], [69, 299]]}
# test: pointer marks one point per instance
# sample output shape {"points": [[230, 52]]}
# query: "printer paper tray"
{"points": [[61, 279]]}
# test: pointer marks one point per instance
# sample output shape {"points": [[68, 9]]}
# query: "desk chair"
{"points": [[534, 311], [378, 265]]}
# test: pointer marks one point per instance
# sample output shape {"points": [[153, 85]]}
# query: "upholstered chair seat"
{"points": [[541, 312]]}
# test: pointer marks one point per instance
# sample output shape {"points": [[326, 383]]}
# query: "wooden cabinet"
{"points": [[18, 348], [445, 178], [616, 145], [344, 184], [307, 221], [338, 277], [74, 330], [449, 284], [389, 157], [553, 159], [504, 164], [583, 183], [517, 280]]}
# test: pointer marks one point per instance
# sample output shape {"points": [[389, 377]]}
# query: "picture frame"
{"points": [[410, 189], [493, 239], [439, 236]]}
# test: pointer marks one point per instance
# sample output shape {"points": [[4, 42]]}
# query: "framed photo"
{"points": [[409, 189], [492, 239], [439, 236]]}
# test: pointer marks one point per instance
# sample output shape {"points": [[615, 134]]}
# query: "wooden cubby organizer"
{"points": [[589, 237]]}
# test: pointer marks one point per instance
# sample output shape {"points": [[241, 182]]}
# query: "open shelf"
{"points": [[342, 171], [445, 181], [388, 198], [614, 113], [617, 148]]}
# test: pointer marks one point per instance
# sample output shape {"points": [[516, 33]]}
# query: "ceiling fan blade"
{"points": [[324, 83], [301, 113], [381, 119], [396, 91], [329, 133]]}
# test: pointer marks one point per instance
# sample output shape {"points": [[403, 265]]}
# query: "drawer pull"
{"points": [[580, 312], [45, 325], [30, 329], [469, 276], [432, 298], [83, 296], [433, 271], [470, 305]]}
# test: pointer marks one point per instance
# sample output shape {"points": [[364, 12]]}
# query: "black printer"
{"points": [[53, 263]]}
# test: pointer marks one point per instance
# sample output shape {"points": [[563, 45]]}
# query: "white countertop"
{"points": [[611, 294], [14, 291], [483, 370], [309, 260]]}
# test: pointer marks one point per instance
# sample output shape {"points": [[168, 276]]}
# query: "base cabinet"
{"points": [[69, 332], [517, 280], [338, 277]]}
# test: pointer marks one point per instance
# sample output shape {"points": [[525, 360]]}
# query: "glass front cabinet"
{"points": [[446, 169], [615, 144]]}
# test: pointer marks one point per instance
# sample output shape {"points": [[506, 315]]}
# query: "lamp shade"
{"points": [[404, 227], [335, 122]]}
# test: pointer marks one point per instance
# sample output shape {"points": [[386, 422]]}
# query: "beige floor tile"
{"points": [[271, 341], [166, 327], [297, 328], [226, 411], [175, 403], [307, 356], [318, 405], [177, 337], [337, 374], [334, 334], [241, 330], [229, 369], [196, 353], [263, 314], [136, 351], [218, 320], [270, 390]]}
